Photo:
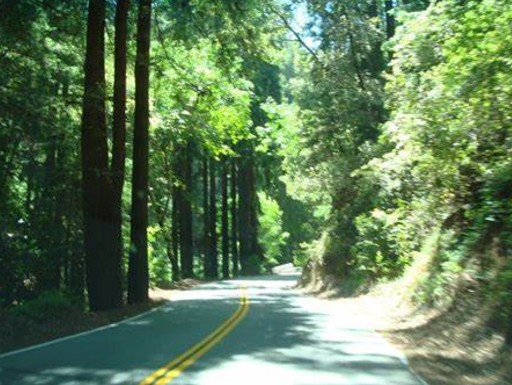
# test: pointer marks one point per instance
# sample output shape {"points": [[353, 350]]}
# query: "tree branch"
{"points": [[179, 69], [295, 33]]}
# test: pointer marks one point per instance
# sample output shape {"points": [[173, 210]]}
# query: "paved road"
{"points": [[284, 338]]}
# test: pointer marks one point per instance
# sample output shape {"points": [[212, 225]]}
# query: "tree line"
{"points": [[130, 138]]}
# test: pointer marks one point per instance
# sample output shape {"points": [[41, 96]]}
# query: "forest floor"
{"points": [[17, 331], [450, 346]]}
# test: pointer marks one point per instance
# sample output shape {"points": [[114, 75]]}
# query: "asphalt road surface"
{"points": [[254, 331]]}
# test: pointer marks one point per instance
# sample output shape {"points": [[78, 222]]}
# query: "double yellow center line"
{"points": [[174, 368]]}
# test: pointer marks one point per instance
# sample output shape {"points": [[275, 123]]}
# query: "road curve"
{"points": [[278, 337]]}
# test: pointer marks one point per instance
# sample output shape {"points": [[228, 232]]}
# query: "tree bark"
{"points": [[103, 284], [234, 219], [225, 220], [250, 251], [390, 19], [214, 263], [117, 167], [206, 219], [138, 275], [176, 273], [47, 268], [186, 228], [175, 269]]}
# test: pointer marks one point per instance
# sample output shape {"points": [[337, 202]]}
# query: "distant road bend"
{"points": [[250, 331]]}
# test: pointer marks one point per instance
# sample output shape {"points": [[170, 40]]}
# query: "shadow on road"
{"points": [[285, 339]]}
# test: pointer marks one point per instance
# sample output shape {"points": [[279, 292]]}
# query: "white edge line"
{"points": [[418, 376], [402, 357], [65, 338]]}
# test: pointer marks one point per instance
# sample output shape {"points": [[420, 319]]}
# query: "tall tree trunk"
{"points": [[175, 268], [214, 263], [234, 218], [375, 62], [416, 5], [119, 113], [75, 276], [250, 251], [57, 240], [117, 167], [206, 220], [103, 288], [224, 219], [186, 236], [176, 273], [74, 263], [138, 275], [48, 264], [390, 19]]}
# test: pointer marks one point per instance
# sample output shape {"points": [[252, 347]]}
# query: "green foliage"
{"points": [[449, 162], [376, 250], [502, 293], [303, 203], [340, 99], [301, 256], [159, 267], [438, 283], [373, 146], [49, 304], [255, 266], [271, 234], [437, 161], [40, 203], [449, 159]]}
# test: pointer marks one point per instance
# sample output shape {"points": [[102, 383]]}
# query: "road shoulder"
{"points": [[451, 346], [19, 332]]}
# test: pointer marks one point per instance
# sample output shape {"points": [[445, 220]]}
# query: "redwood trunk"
{"points": [[224, 220], [206, 220], [138, 275], [117, 167], [234, 218], [390, 19], [103, 283], [214, 263], [174, 250], [186, 236], [250, 251]]}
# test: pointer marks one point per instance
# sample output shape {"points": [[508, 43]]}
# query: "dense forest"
{"points": [[145, 142]]}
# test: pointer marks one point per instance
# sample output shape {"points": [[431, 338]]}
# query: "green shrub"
{"points": [[375, 251], [301, 256], [501, 293], [254, 265], [158, 260], [49, 304], [438, 286], [271, 236]]}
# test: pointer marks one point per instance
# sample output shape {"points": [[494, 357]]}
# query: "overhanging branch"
{"points": [[296, 34]]}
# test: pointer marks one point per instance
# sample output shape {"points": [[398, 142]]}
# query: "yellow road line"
{"points": [[174, 368]]}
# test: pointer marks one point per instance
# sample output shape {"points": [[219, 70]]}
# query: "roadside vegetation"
{"points": [[428, 183], [135, 149], [367, 141]]}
